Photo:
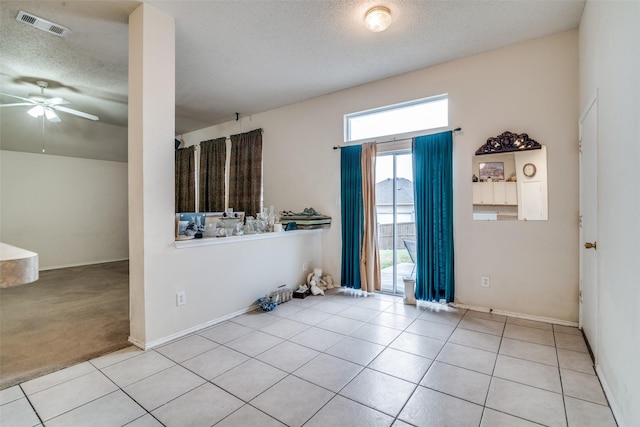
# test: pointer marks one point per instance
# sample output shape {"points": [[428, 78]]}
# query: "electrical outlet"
{"points": [[305, 266], [485, 281], [181, 298]]}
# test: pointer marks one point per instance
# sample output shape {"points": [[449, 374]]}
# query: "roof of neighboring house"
{"points": [[384, 191]]}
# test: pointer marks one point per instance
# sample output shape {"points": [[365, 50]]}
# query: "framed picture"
{"points": [[493, 170]]}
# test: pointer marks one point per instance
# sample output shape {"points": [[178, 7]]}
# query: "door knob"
{"points": [[589, 245]]}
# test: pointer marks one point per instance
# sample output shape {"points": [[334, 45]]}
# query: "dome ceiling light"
{"points": [[378, 18]]}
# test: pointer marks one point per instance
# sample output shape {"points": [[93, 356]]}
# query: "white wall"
{"points": [[218, 280], [531, 88], [70, 211], [610, 64]]}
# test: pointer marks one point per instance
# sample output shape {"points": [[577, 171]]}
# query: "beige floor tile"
{"points": [[475, 339], [582, 386], [529, 351], [586, 414], [145, 421], [428, 407], [403, 365], [567, 330], [56, 400], [571, 342], [10, 394], [481, 325], [310, 316], [530, 403], [18, 413], [331, 307], [344, 412], [468, 357], [248, 380], [576, 361], [418, 345], [492, 418], [376, 333], [376, 304], [136, 368], [406, 310], [286, 310], [254, 343], [115, 357], [392, 320], [285, 328], [444, 317], [186, 348], [163, 387], [225, 332], [287, 356], [329, 372], [530, 373], [357, 312], [114, 409], [524, 333], [249, 416], [58, 377], [380, 391], [430, 329], [484, 315], [215, 362], [355, 350], [458, 382], [530, 323], [255, 319], [195, 408], [317, 338], [292, 401], [340, 325]]}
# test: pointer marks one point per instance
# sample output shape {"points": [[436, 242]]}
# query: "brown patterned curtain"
{"points": [[213, 156], [369, 255], [185, 180], [245, 174]]}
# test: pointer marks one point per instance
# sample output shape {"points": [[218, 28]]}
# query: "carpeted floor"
{"points": [[68, 316]]}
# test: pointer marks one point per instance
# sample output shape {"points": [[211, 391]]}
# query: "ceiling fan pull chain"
{"points": [[43, 133]]}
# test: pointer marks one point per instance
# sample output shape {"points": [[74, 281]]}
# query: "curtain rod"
{"points": [[337, 147]]}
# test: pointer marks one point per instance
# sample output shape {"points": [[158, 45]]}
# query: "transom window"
{"points": [[421, 114]]}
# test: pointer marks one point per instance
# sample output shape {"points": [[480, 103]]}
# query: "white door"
{"points": [[589, 225]]}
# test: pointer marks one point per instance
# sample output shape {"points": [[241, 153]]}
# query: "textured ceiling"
{"points": [[252, 56]]}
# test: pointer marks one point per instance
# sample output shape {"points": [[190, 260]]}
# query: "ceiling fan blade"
{"points": [[15, 105], [52, 116], [75, 112], [18, 97], [57, 101]]}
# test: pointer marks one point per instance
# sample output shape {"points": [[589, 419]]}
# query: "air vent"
{"points": [[42, 24]]}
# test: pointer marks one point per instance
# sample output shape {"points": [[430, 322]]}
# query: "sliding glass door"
{"points": [[396, 219]]}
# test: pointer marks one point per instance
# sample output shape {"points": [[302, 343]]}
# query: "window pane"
{"points": [[414, 116]]}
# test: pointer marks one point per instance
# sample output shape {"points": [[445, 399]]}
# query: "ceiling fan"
{"points": [[43, 106]]}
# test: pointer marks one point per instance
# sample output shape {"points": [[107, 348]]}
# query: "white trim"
{"points": [[518, 315], [607, 392], [180, 244], [164, 340]]}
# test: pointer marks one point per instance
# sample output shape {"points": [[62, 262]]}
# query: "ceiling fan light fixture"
{"points": [[36, 111], [378, 18]]}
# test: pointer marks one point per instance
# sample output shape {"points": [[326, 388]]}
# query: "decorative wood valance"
{"points": [[508, 142]]}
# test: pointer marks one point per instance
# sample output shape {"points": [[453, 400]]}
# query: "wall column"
{"points": [[151, 154]]}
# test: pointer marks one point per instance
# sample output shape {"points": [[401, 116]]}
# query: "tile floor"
{"points": [[337, 360]]}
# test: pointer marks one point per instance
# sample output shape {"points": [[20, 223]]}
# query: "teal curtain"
{"points": [[351, 214], [433, 178]]}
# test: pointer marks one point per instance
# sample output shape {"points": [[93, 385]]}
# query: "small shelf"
{"points": [[208, 241]]}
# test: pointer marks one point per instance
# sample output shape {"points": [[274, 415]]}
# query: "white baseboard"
{"points": [[518, 315], [164, 340], [607, 393]]}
